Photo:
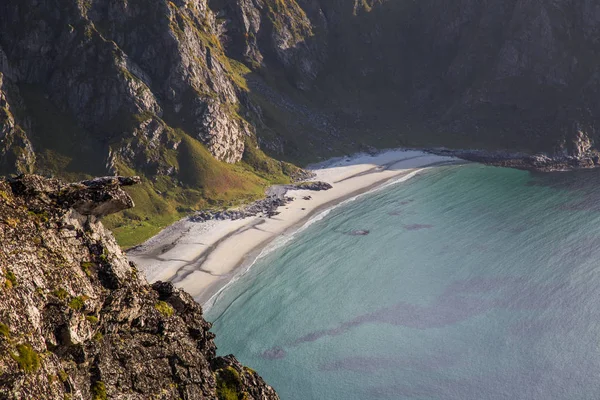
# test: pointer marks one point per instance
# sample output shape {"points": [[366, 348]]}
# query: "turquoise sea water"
{"points": [[474, 283]]}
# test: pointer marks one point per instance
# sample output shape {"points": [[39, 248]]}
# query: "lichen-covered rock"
{"points": [[76, 319]]}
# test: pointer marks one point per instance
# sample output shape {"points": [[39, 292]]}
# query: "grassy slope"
{"points": [[71, 153], [204, 183]]}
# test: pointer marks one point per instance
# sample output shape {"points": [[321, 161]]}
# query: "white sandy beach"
{"points": [[202, 257]]}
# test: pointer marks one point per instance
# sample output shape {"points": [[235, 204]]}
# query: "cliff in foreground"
{"points": [[77, 320]]}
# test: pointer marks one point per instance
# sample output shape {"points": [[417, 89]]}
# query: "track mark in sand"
{"points": [[380, 168], [196, 264]]}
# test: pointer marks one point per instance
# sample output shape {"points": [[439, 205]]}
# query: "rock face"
{"points": [[16, 150], [101, 63], [123, 74], [106, 87], [76, 319]]}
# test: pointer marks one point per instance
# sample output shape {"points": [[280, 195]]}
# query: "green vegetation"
{"points": [[77, 303], [11, 279], [152, 212], [229, 385], [164, 308], [4, 331], [99, 391], [4, 196], [86, 266], [40, 216], [63, 376], [238, 71], [61, 293], [92, 319], [219, 182], [205, 183], [98, 336], [27, 358]]}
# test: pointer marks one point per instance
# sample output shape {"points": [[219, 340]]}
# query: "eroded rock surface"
{"points": [[77, 321]]}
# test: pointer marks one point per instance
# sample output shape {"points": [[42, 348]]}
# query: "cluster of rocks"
{"points": [[265, 207], [316, 186]]}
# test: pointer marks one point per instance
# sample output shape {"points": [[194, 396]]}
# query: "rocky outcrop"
{"points": [[531, 162], [16, 150], [104, 62], [271, 34], [267, 207], [77, 321]]}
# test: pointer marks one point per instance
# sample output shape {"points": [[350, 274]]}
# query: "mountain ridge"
{"points": [[169, 89]]}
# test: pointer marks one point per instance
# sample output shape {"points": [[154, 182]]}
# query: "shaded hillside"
{"points": [[94, 87]]}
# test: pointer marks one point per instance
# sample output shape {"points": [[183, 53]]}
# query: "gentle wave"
{"points": [[282, 240]]}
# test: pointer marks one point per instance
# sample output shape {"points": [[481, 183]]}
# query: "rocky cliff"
{"points": [[172, 89], [77, 321]]}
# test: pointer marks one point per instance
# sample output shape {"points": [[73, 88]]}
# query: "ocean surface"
{"points": [[473, 283]]}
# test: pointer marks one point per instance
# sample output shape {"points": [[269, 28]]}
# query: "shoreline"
{"points": [[205, 257], [209, 296], [539, 162]]}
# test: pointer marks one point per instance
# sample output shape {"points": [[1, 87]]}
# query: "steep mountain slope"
{"points": [[76, 319], [90, 87], [97, 87]]}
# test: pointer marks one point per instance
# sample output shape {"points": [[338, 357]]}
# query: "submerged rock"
{"points": [[359, 232]]}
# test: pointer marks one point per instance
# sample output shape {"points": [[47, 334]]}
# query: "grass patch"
{"points": [[4, 331], [77, 303], [151, 213], [99, 391], [27, 358], [219, 182], [86, 266], [61, 293], [92, 319], [11, 279], [205, 183], [63, 376], [229, 385], [164, 308]]}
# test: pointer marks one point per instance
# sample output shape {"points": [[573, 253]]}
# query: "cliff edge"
{"points": [[77, 320]]}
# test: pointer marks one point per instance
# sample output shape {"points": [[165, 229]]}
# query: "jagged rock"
{"points": [[16, 150], [275, 198], [315, 185], [78, 321]]}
